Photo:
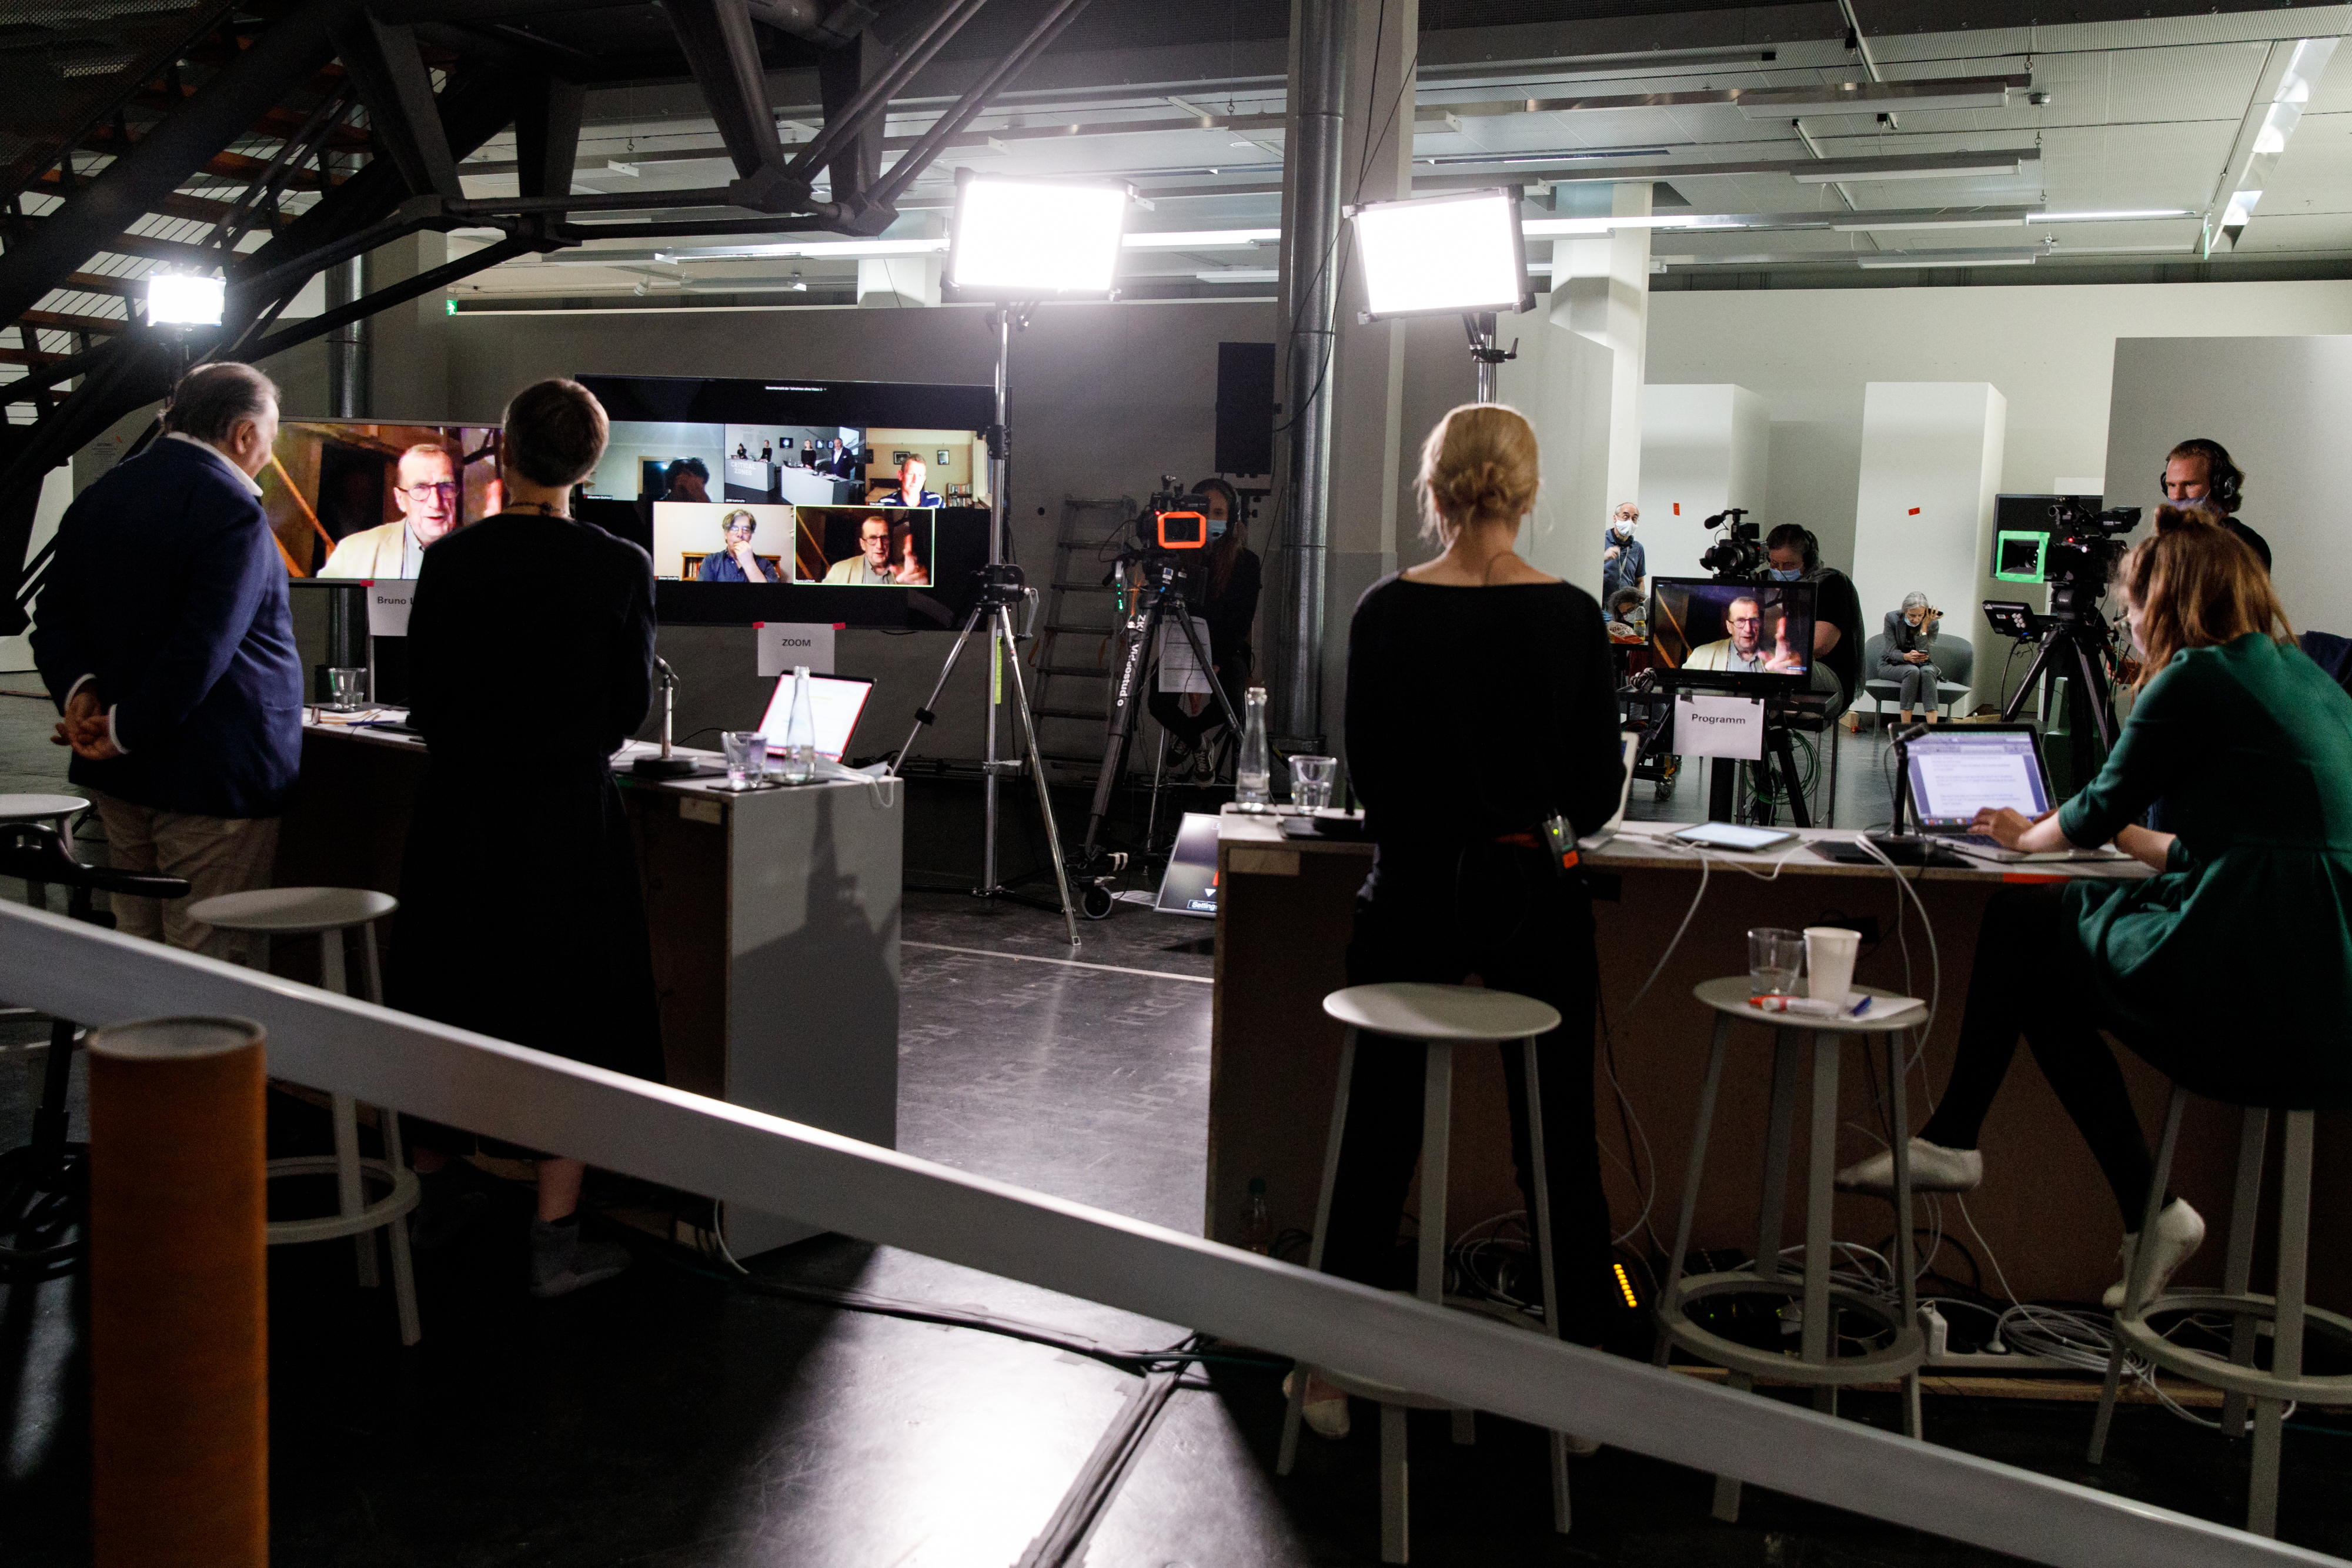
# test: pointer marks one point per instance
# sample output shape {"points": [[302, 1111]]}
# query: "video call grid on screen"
{"points": [[878, 547], [1957, 775], [1756, 635], [345, 497]]}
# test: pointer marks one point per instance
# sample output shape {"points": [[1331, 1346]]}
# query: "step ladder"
{"points": [[1082, 638]]}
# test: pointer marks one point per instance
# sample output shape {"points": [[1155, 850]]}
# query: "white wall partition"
{"points": [[1931, 460], [2277, 403], [1704, 449], [1564, 382]]}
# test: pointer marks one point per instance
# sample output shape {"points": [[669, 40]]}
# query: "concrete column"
{"points": [[1367, 441], [408, 347]]}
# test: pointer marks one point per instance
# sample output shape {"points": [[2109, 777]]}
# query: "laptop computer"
{"points": [[834, 703], [1632, 741], [1957, 770]]}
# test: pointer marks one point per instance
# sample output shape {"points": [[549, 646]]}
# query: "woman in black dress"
{"points": [[1223, 591], [521, 917], [1480, 702]]}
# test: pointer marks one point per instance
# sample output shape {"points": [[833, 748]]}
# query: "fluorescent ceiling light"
{"points": [[2281, 92], [1864, 223], [1239, 275], [1442, 255], [1200, 240], [180, 299], [1839, 171], [1033, 239], [1885, 261], [2241, 210], [2115, 217]]}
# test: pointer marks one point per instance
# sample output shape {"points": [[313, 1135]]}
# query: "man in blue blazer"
{"points": [[164, 636]]}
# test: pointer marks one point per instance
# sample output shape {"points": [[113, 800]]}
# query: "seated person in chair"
{"points": [[1908, 663]]}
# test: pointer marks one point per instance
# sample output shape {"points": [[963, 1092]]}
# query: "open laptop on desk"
{"points": [[834, 703], [1957, 770]]}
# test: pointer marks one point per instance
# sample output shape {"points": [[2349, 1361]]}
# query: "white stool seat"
{"points": [[292, 911], [1419, 1011], [39, 807], [1730, 994]]}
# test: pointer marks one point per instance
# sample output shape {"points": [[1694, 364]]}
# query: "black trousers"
{"points": [[2028, 979], [1168, 707], [1504, 916]]}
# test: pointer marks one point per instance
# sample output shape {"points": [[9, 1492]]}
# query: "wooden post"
{"points": [[179, 1323]]}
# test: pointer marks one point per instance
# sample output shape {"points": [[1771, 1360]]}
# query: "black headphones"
{"points": [[2224, 480], [1780, 539]]}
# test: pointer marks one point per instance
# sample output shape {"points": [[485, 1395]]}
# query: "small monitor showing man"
{"points": [[1752, 634]]}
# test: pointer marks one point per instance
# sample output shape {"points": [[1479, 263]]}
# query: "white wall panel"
{"points": [[1931, 463]]}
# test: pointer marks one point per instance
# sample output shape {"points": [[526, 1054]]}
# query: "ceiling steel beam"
{"points": [[385, 65], [723, 53], [547, 135]]}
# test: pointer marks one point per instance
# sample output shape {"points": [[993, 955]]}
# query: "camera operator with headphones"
{"points": [[2199, 469], [1224, 589], [1795, 556]]}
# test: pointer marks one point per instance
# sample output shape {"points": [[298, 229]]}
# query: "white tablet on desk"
{"points": [[1732, 836]]}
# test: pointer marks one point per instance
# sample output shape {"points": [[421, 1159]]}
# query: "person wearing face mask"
{"points": [[1223, 591], [2251, 743], [1909, 660], [1795, 556], [2199, 469], [1624, 563]]}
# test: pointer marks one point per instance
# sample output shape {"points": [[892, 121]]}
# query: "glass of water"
{"points": [[1311, 781], [1775, 957], [747, 759], [347, 689]]}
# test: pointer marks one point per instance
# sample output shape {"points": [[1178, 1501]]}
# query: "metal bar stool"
{"points": [[2287, 1314], [59, 810], [1440, 1017], [45, 1185], [1817, 1363], [330, 912]]}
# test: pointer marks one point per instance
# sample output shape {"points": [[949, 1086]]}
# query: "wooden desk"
{"points": [[773, 915], [1283, 922]]}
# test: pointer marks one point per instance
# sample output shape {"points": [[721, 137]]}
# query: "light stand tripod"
{"points": [[1161, 595], [1002, 585]]}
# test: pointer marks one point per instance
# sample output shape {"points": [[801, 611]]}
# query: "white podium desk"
{"points": [[773, 917]]}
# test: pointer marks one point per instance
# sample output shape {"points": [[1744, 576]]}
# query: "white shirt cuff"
{"points": [[113, 733], [79, 685]]}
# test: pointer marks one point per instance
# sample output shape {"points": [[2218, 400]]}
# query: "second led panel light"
{"points": [[1442, 255]]}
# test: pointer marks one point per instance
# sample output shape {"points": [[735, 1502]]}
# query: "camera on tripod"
{"points": [[2067, 541], [1740, 552], [1177, 519]]}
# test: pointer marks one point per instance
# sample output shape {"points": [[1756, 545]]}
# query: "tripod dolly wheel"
{"points": [[1096, 900]]}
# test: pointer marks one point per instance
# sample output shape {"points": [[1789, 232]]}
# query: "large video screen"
{"points": [[361, 500], [1736, 634]]}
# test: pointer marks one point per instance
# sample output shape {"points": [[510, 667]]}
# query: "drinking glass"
{"points": [[747, 757], [1311, 781], [1774, 958], [347, 689]]}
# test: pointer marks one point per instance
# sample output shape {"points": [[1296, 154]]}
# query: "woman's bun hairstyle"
{"points": [[1481, 462]]}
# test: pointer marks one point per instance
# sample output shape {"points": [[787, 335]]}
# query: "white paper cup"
{"points": [[1828, 962]]}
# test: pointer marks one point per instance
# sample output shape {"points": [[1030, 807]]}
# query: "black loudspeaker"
{"points": [[1246, 408]]}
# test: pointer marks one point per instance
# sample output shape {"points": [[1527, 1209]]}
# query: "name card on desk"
{"points": [[388, 607], [785, 644], [1706, 725]]}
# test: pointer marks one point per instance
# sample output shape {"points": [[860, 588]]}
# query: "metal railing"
{"points": [[707, 1146]]}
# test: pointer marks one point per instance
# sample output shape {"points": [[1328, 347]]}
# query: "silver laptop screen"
{"points": [[1956, 773]]}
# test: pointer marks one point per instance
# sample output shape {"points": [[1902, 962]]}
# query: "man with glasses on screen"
{"points": [[1744, 652], [427, 491], [871, 564]]}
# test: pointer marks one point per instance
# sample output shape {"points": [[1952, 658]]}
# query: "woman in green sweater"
{"points": [[2245, 902]]}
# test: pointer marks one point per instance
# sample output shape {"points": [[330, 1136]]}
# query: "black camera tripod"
{"points": [[1002, 585], [2069, 647], [1161, 593]]}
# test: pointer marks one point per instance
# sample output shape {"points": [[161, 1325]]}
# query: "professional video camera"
{"points": [[1739, 553], [1177, 519], [2085, 546], [2074, 544]]}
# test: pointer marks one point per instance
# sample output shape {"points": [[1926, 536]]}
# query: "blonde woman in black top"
{"points": [[1480, 702]]}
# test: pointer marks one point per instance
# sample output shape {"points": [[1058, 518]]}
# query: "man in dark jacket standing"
{"points": [[163, 634]]}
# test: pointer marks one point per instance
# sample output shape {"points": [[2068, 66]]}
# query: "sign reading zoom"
{"points": [[1709, 725]]}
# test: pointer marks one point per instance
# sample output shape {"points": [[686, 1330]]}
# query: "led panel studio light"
{"points": [[178, 300], [1033, 239], [1442, 255]]}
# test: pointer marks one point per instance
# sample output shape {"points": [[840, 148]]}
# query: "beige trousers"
{"points": [[215, 854]]}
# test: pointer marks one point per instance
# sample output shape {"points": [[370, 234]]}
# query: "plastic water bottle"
{"points": [[1254, 774], [1257, 1220], [799, 732]]}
